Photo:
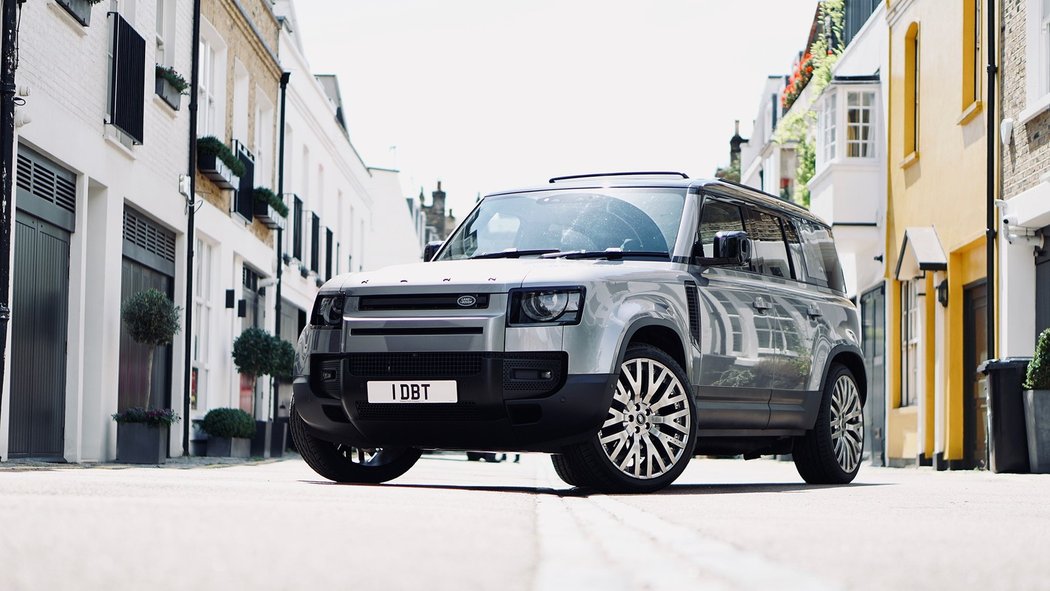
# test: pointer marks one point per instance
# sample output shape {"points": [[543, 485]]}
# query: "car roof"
{"points": [[666, 180]]}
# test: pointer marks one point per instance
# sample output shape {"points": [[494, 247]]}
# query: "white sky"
{"points": [[494, 94]]}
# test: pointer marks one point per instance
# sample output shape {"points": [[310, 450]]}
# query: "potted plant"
{"points": [[142, 434], [170, 85], [304, 270], [152, 320], [269, 208], [217, 161], [1037, 406], [79, 9], [229, 432], [253, 356], [283, 369]]}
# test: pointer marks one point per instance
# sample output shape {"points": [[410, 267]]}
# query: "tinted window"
{"points": [[717, 217], [768, 252], [822, 262], [794, 244]]}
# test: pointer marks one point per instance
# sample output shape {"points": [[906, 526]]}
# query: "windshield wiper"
{"points": [[513, 253], [609, 253]]}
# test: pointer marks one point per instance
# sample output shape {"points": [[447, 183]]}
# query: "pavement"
{"points": [[453, 524]]}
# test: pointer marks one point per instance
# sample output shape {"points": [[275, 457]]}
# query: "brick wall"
{"points": [[1028, 156]]}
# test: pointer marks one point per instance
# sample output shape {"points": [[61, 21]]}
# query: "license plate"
{"points": [[412, 392]]}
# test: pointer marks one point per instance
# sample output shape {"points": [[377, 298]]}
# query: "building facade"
{"points": [[936, 284]]}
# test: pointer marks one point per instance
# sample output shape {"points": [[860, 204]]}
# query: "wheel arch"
{"points": [[852, 359], [658, 333]]}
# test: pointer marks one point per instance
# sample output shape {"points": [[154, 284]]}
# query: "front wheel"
{"points": [[649, 432], [831, 452], [348, 464]]}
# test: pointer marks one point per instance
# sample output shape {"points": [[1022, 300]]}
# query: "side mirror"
{"points": [[733, 247], [430, 250]]}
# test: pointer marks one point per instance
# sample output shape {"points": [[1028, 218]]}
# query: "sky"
{"points": [[485, 95]]}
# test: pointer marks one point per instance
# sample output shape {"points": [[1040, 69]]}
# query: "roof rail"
{"points": [[590, 176]]}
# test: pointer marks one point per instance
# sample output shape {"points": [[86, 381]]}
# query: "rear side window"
{"points": [[717, 216], [768, 252], [822, 261]]}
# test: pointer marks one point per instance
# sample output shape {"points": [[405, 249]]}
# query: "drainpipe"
{"points": [[7, 157], [280, 233], [991, 139], [191, 207]]}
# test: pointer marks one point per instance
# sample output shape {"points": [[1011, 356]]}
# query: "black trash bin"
{"points": [[1007, 435]]}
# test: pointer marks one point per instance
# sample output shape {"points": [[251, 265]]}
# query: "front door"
{"points": [[975, 352], [873, 336], [38, 339], [1042, 283]]}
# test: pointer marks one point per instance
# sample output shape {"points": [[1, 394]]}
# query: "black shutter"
{"points": [[244, 199], [315, 242], [328, 254], [127, 94], [297, 221]]}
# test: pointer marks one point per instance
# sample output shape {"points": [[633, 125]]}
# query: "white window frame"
{"points": [[211, 86], [911, 328], [1037, 60], [165, 31], [263, 139], [865, 148], [203, 308], [829, 128]]}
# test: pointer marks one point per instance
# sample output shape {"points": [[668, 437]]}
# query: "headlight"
{"points": [[546, 306], [328, 310]]}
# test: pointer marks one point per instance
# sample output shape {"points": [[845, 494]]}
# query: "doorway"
{"points": [[975, 352], [873, 337]]}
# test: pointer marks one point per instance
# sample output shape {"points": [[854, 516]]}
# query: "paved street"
{"points": [[453, 524]]}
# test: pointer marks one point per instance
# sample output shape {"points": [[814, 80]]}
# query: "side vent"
{"points": [[692, 298]]}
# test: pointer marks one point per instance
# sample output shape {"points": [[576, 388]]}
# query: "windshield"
{"points": [[552, 222]]}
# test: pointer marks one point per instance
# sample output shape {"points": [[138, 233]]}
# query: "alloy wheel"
{"points": [[646, 430], [847, 423], [369, 456]]}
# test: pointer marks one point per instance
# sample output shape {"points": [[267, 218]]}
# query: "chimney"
{"points": [[438, 199], [734, 144]]}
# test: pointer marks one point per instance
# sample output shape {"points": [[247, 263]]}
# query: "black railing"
{"points": [[244, 198], [128, 79]]}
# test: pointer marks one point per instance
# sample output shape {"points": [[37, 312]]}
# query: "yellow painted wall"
{"points": [[943, 187]]}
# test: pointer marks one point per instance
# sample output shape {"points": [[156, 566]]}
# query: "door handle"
{"points": [[760, 303], [813, 311]]}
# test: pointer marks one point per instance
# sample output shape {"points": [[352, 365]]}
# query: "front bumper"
{"points": [[507, 401]]}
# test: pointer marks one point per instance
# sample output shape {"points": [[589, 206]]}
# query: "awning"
{"points": [[920, 252]]}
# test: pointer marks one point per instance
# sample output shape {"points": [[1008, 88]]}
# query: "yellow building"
{"points": [[935, 233]]}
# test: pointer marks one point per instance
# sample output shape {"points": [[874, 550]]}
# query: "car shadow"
{"points": [[674, 489]]}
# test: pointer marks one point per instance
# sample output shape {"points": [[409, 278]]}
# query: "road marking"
{"points": [[598, 542]]}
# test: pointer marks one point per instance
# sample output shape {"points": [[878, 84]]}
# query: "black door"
{"points": [[1042, 284], [873, 335], [38, 337], [135, 278], [975, 352]]}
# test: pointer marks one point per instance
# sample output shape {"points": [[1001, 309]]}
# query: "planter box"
{"points": [[139, 443], [279, 437], [229, 447], [261, 441], [267, 215], [167, 92], [1037, 420], [78, 9], [214, 168]]}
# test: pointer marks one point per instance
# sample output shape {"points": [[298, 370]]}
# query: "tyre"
{"points": [[649, 432], [831, 452], [564, 470], [344, 463]]}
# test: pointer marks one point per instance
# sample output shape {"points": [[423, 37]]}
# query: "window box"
{"points": [[166, 91], [305, 272], [79, 9], [267, 214], [269, 208], [215, 169]]}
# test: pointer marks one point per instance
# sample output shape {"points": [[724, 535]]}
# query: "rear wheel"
{"points": [[649, 432], [831, 452], [348, 464]]}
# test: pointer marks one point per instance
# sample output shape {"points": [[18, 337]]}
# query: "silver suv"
{"points": [[623, 323]]}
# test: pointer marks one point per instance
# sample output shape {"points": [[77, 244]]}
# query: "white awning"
{"points": [[921, 251]]}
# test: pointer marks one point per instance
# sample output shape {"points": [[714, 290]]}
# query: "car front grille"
{"points": [[417, 365]]}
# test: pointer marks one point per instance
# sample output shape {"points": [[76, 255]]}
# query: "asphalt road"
{"points": [[453, 524]]}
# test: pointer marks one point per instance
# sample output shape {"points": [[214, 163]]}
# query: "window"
{"points": [[297, 227], [828, 121], [859, 137], [263, 140], [315, 242], [717, 216], [794, 248], [241, 84], [971, 59], [911, 93], [328, 237], [165, 32], [768, 251], [821, 260], [202, 317], [910, 330], [127, 71], [211, 86]]}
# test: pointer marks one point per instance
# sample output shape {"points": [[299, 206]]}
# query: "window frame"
{"points": [[865, 147], [211, 83], [911, 329], [828, 128], [912, 83]]}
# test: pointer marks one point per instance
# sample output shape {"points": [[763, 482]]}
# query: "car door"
{"points": [[732, 392]]}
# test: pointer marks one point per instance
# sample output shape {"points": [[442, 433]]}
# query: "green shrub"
{"points": [[228, 422], [213, 146], [154, 417], [1038, 377], [283, 359], [173, 77], [253, 352], [267, 196]]}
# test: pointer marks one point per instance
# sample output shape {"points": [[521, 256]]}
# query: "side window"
{"points": [[717, 216], [768, 252], [794, 244], [822, 261]]}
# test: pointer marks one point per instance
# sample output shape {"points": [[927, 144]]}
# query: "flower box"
{"points": [[215, 169], [78, 9], [267, 214], [167, 91], [142, 443]]}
